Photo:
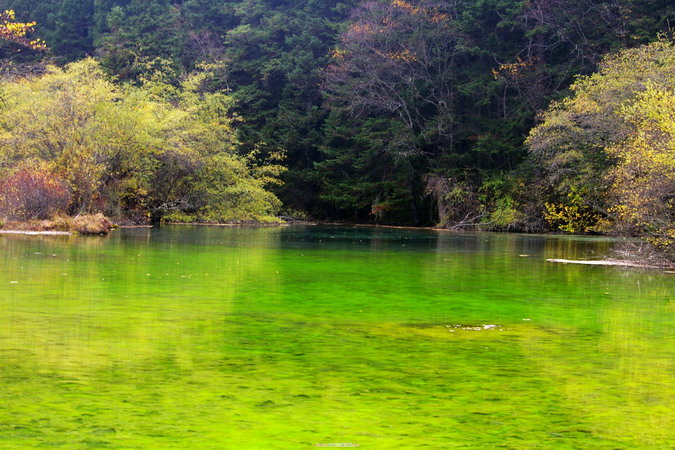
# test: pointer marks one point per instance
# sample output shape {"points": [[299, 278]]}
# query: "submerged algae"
{"points": [[235, 338]]}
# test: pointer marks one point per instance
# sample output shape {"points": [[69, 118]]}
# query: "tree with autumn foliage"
{"points": [[398, 60], [393, 78], [608, 151], [82, 144], [642, 190], [18, 32]]}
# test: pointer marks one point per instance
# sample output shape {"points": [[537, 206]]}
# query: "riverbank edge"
{"points": [[286, 223], [88, 224]]}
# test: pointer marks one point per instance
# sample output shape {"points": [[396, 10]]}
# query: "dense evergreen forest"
{"points": [[521, 115]]}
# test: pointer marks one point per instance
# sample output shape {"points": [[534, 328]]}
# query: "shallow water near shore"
{"points": [[201, 337]]}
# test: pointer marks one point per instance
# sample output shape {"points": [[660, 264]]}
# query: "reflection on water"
{"points": [[209, 337]]}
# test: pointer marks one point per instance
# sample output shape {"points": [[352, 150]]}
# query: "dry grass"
{"points": [[85, 224], [92, 224]]}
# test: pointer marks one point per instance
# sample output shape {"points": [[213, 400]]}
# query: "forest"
{"points": [[506, 115]]}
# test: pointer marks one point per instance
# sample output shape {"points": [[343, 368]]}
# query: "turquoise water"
{"points": [[215, 337]]}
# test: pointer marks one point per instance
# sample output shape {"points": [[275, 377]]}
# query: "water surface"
{"points": [[210, 337]]}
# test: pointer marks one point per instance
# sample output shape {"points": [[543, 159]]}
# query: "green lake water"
{"points": [[211, 337]]}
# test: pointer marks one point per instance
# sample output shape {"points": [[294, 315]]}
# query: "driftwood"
{"points": [[607, 262]]}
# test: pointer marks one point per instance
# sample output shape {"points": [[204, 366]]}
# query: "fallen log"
{"points": [[605, 262]]}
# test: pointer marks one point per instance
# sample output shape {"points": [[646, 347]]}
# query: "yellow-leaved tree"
{"points": [[607, 152], [643, 177], [131, 152], [17, 32]]}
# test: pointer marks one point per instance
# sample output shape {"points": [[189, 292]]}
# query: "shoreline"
{"points": [[86, 224], [669, 268], [230, 224]]}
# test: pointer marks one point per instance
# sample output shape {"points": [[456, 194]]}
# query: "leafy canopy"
{"points": [[124, 150], [607, 151]]}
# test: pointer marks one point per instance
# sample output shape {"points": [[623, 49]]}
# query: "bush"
{"points": [[91, 224], [33, 193]]}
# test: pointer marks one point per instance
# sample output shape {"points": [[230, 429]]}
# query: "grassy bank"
{"points": [[92, 224]]}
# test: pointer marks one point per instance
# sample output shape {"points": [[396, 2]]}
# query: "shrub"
{"points": [[91, 224], [33, 193]]}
